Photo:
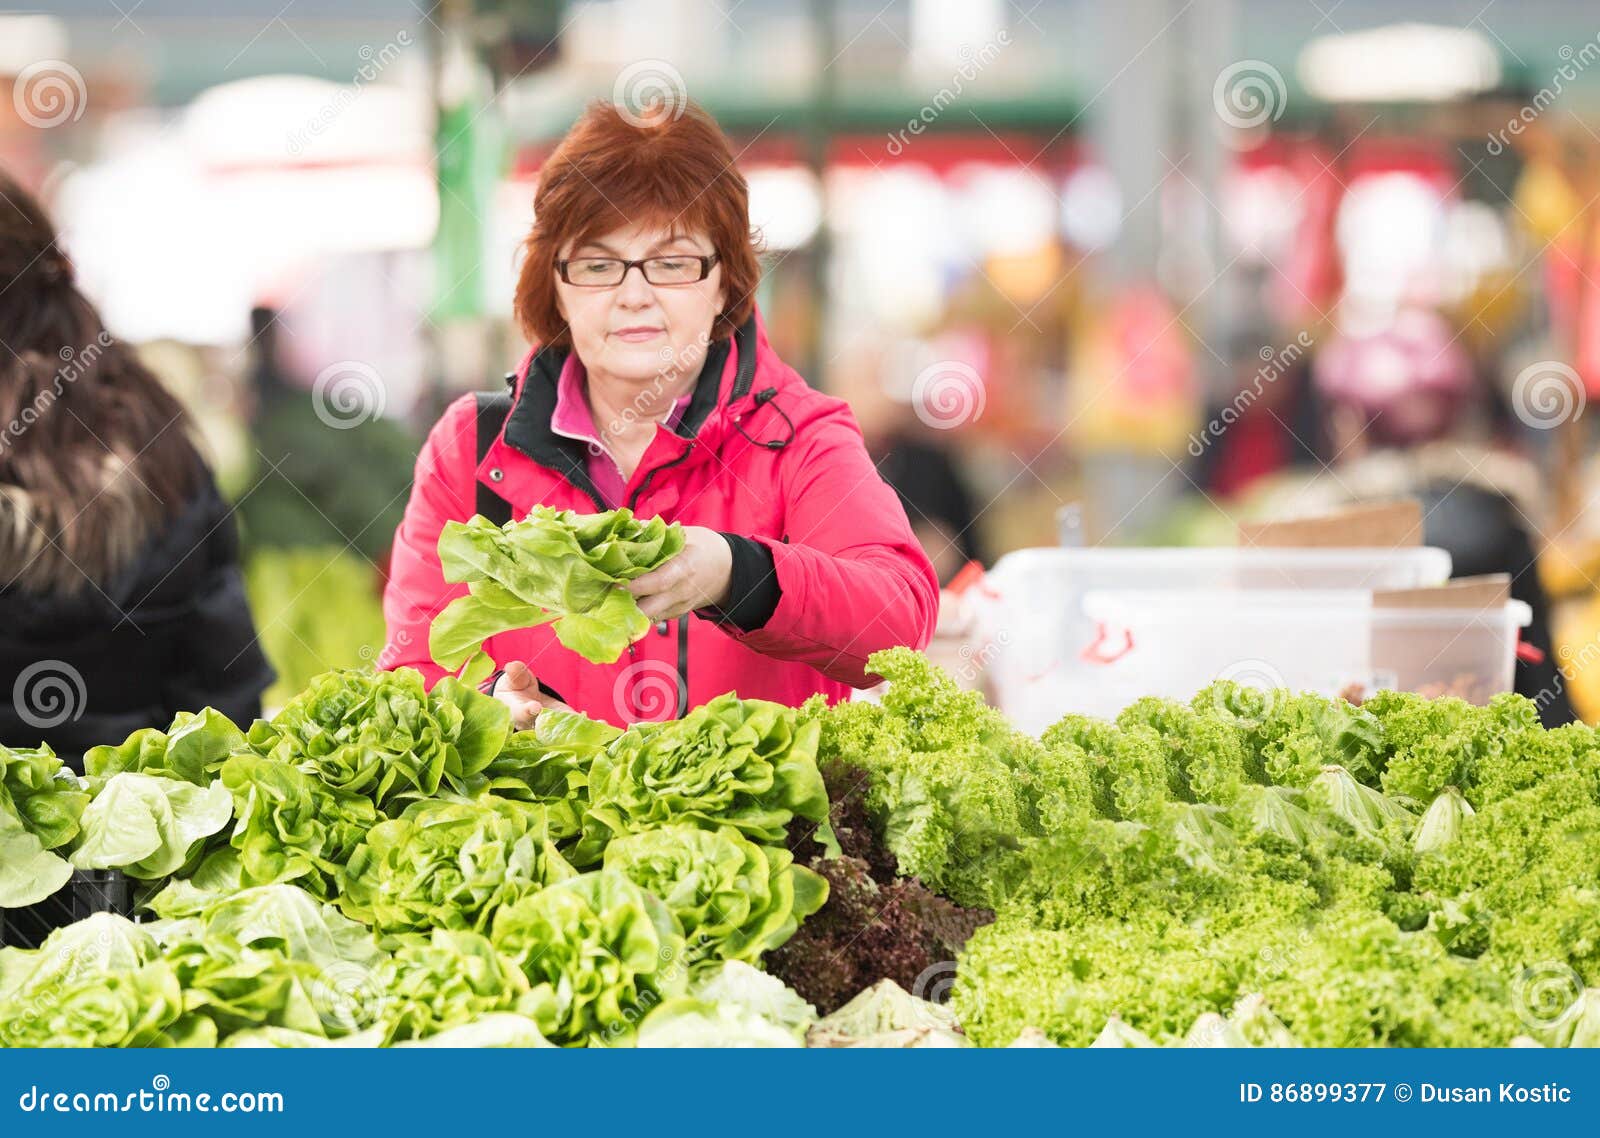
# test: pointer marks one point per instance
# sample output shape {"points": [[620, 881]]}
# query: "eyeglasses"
{"points": [[608, 272]]}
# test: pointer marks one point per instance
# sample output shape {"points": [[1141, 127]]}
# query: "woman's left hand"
{"points": [[699, 575]]}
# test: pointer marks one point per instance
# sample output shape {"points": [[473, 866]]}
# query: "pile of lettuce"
{"points": [[41, 806], [384, 865], [380, 864], [145, 807], [1249, 866], [553, 567]]}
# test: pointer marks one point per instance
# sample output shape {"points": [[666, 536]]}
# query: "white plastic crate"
{"points": [[1033, 627]]}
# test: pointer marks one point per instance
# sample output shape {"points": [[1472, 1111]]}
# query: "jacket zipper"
{"points": [[683, 621]]}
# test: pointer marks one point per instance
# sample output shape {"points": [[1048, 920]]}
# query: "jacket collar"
{"points": [[726, 377]]}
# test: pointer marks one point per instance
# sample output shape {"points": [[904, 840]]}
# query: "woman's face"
{"points": [[636, 330]]}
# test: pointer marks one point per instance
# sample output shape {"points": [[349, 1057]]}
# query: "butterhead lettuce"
{"points": [[553, 566]]}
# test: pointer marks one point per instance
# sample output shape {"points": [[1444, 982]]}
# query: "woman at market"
{"points": [[653, 387], [121, 600]]}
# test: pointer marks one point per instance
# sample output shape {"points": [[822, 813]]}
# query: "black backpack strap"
{"points": [[493, 407]]}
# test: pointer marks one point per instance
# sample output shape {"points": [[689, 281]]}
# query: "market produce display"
{"points": [[1253, 866], [552, 566], [384, 865]]}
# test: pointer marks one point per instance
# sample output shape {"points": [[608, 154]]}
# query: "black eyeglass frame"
{"points": [[707, 263]]}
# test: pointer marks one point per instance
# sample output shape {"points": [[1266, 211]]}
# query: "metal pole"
{"points": [[819, 133]]}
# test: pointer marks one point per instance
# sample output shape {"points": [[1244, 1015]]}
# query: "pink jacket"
{"points": [[762, 455]]}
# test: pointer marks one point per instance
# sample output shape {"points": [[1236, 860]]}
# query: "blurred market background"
{"points": [[1101, 273]]}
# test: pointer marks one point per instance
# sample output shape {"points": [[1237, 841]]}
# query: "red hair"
{"points": [[671, 166]]}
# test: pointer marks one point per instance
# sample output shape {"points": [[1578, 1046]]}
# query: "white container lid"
{"points": [[1427, 564], [1233, 606]]}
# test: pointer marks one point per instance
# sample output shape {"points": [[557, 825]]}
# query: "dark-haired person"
{"points": [[653, 386], [121, 601]]}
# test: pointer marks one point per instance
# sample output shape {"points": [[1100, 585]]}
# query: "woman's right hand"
{"points": [[518, 689]]}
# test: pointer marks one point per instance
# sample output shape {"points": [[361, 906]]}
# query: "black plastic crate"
{"points": [[88, 891]]}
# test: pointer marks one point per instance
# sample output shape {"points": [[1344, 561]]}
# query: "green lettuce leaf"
{"points": [[440, 986], [599, 953], [686, 1022], [193, 749], [450, 865], [554, 565], [733, 898], [758, 993], [41, 809], [147, 825], [98, 983], [291, 827], [496, 1029], [385, 736], [747, 764]]}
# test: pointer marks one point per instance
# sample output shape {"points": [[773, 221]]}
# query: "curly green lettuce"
{"points": [[385, 736], [598, 952], [291, 827], [733, 898], [746, 764], [954, 789], [449, 865]]}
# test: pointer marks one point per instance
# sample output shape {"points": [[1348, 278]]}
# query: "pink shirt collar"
{"points": [[574, 419]]}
